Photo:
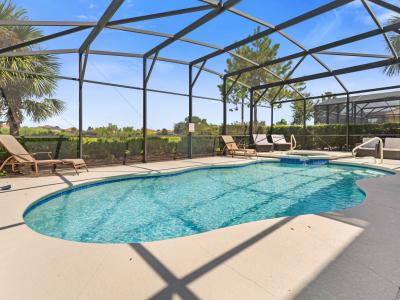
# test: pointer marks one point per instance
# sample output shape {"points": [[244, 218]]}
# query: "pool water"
{"points": [[144, 209]]}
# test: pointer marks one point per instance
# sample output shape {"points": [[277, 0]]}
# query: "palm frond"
{"points": [[23, 89], [393, 70], [27, 84], [9, 11], [41, 110]]}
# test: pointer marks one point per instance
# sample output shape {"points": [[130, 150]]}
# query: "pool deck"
{"points": [[351, 254]]}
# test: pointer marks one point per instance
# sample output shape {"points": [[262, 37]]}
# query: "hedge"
{"points": [[117, 150]]}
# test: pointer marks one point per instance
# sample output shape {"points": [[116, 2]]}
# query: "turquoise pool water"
{"points": [[162, 207]]}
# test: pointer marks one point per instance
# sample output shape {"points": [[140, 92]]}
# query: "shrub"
{"points": [[118, 149]]}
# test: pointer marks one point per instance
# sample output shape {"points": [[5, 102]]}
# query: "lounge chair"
{"points": [[369, 149], [233, 149], [262, 144], [20, 157], [77, 163], [391, 150], [280, 143]]}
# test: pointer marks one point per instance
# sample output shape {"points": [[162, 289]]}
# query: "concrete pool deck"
{"points": [[351, 254]]}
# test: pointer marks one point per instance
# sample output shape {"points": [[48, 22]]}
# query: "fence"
{"points": [[327, 137], [115, 150]]}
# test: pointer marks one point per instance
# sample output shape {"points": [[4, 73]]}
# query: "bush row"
{"points": [[325, 136], [111, 150]]}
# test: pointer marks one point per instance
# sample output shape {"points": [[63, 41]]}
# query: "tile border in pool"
{"points": [[118, 178], [314, 156]]}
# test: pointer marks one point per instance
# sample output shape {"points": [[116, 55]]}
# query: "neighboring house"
{"points": [[53, 129], [375, 108]]}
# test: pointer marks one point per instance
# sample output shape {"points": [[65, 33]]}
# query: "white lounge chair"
{"points": [[369, 149], [391, 150], [280, 143], [262, 144]]}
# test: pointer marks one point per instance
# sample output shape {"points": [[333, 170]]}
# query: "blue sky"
{"points": [[123, 107]]}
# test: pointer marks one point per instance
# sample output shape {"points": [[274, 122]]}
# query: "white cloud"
{"points": [[384, 17], [82, 17], [362, 15], [91, 5], [323, 28], [356, 12]]}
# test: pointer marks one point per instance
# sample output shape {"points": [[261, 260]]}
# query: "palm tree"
{"points": [[21, 94], [394, 38]]}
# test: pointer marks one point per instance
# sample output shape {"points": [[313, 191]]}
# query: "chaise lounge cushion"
{"points": [[391, 150], [278, 139], [280, 142], [369, 149], [369, 145], [392, 143], [261, 142]]}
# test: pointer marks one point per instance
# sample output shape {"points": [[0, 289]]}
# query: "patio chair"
{"points": [[19, 156], [262, 144], [233, 149], [391, 150], [77, 163], [280, 143], [369, 149]]}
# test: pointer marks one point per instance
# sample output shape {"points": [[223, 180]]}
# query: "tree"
{"points": [[327, 96], [281, 122], [394, 38], [298, 111], [237, 97], [262, 50], [201, 127], [164, 131], [22, 94]]}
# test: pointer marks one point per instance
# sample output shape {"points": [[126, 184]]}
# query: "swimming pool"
{"points": [[141, 209]]}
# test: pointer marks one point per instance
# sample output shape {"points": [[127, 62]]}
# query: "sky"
{"points": [[103, 105]]}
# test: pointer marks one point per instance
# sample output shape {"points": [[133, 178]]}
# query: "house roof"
{"points": [[377, 97]]}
